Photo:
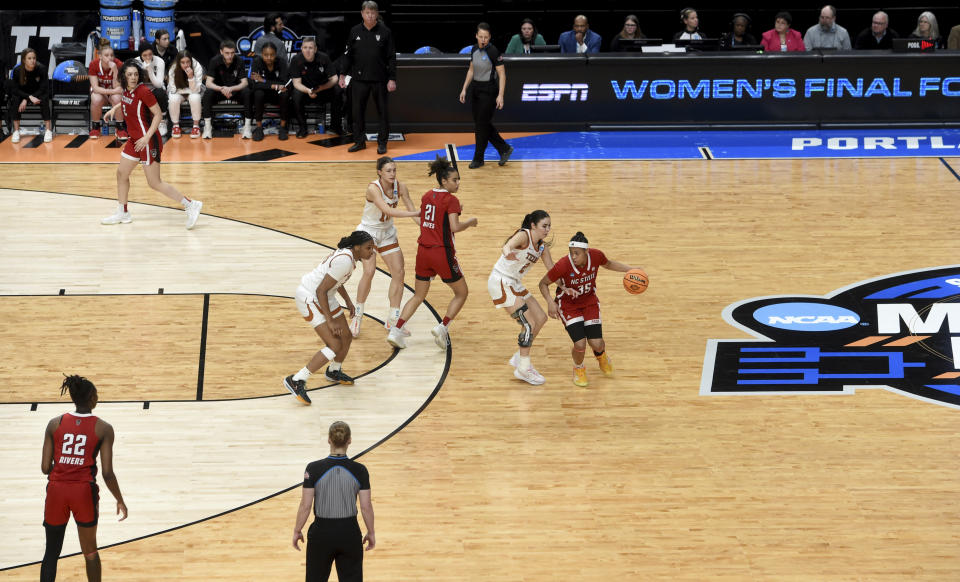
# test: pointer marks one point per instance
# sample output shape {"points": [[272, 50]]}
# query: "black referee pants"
{"points": [[339, 540], [484, 105], [360, 95]]}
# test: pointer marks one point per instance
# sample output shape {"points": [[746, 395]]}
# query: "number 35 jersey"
{"points": [[582, 280]]}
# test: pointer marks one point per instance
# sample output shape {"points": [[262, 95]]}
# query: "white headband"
{"points": [[578, 244]]}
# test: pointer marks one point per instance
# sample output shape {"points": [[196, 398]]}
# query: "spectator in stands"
{"points": [[630, 31], [226, 78], [104, 88], [691, 25], [270, 84], [879, 36], [782, 38], [520, 43], [827, 34], [29, 86], [927, 29], [487, 80], [157, 74], [272, 29], [185, 81], [370, 61], [953, 41], [581, 39], [162, 48], [314, 80], [739, 34]]}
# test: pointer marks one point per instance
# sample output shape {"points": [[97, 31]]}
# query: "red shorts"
{"points": [[433, 261], [588, 314], [82, 499], [146, 156]]}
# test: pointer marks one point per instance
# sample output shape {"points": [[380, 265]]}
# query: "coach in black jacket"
{"points": [[371, 61]]}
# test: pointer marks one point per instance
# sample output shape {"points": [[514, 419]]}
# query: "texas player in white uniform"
{"points": [[317, 303], [383, 196], [505, 285]]}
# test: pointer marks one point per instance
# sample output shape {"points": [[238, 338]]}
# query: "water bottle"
{"points": [[320, 129], [137, 29]]}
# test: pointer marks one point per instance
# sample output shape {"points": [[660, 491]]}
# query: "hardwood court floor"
{"points": [[635, 477]]}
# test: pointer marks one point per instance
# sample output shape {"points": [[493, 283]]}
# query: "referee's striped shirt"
{"points": [[335, 481]]}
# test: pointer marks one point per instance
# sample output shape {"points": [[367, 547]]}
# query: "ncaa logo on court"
{"points": [[900, 332]]}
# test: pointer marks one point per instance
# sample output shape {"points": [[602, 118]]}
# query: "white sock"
{"points": [[359, 308], [303, 374], [523, 362], [246, 123], [335, 365], [207, 122], [395, 312], [184, 202]]}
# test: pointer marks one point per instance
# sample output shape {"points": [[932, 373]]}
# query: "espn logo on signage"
{"points": [[554, 91]]}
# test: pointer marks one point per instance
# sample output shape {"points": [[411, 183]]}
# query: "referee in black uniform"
{"points": [[486, 79], [332, 486], [371, 62]]}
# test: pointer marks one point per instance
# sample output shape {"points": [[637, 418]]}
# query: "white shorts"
{"points": [[384, 238], [506, 290], [309, 308]]}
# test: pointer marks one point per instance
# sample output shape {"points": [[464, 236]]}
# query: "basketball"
{"points": [[635, 281]]}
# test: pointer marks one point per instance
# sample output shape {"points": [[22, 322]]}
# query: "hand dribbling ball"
{"points": [[635, 281]]}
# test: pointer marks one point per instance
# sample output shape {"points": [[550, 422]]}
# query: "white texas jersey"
{"points": [[525, 257], [372, 216], [339, 265]]}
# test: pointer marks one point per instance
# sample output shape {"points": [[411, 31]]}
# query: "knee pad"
{"points": [[525, 339], [594, 331]]}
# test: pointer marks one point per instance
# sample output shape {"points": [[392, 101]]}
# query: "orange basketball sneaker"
{"points": [[580, 375], [605, 366]]}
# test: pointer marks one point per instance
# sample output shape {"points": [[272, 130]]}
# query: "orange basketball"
{"points": [[635, 281]]}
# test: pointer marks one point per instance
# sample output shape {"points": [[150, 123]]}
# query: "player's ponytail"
{"points": [[442, 168], [579, 237], [81, 390], [356, 238], [531, 219]]}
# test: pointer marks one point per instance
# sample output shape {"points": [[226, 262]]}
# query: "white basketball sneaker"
{"points": [[395, 338], [530, 375], [15, 137], [440, 336], [355, 324], [208, 131], [47, 136], [193, 212], [118, 217]]}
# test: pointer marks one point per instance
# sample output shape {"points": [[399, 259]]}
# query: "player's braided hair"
{"points": [[81, 390], [356, 238], [339, 433], [442, 168]]}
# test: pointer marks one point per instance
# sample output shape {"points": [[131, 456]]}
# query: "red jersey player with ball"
{"points": [[143, 116], [578, 307]]}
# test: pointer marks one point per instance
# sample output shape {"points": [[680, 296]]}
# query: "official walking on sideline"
{"points": [[332, 486], [486, 79], [371, 62]]}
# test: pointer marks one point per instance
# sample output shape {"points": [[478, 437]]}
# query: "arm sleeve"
{"points": [[391, 58], [346, 61], [364, 477], [309, 477], [43, 91]]}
